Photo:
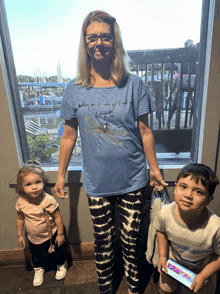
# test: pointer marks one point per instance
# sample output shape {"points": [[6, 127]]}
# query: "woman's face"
{"points": [[100, 49]]}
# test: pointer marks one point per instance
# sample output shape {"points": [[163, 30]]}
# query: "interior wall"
{"points": [[8, 168], [211, 129], [215, 204], [75, 209], [210, 150]]}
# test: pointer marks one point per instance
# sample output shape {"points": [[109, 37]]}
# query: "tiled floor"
{"points": [[80, 279]]}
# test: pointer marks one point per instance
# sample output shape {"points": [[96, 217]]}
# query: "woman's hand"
{"points": [[162, 263], [67, 144], [59, 189], [156, 180], [59, 240], [21, 241]]}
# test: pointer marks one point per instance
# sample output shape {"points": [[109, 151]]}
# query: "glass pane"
{"points": [[162, 41], [173, 87]]}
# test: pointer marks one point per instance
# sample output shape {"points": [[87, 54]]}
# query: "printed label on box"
{"points": [[180, 273]]}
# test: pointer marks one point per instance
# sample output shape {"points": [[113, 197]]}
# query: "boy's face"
{"points": [[191, 196]]}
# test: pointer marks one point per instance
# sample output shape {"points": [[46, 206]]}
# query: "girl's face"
{"points": [[33, 185], [101, 50]]}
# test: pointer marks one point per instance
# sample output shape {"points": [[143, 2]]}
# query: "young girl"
{"points": [[40, 213]]}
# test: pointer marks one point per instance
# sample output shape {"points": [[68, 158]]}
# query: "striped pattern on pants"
{"points": [[102, 210]]}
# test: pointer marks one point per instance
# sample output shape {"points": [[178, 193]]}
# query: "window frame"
{"points": [[10, 78], [208, 9]]}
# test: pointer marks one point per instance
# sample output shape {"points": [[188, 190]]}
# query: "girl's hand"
{"points": [[156, 180], [197, 283], [59, 240], [21, 241], [162, 263]]}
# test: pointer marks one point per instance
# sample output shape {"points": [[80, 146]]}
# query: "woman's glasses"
{"points": [[92, 39]]}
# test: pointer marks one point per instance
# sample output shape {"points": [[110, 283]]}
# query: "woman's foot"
{"points": [[38, 276]]}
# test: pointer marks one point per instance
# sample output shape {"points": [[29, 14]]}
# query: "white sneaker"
{"points": [[61, 271], [38, 276]]}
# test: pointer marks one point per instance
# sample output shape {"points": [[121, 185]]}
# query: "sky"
{"points": [[45, 32]]}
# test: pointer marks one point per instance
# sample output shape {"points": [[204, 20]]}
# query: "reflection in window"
{"points": [[171, 74]]}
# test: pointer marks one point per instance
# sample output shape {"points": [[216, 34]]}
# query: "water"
{"points": [[45, 120]]}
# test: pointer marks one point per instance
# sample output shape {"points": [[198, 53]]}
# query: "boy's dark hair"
{"points": [[31, 166], [201, 172]]}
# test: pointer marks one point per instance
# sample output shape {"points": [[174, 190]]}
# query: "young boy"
{"points": [[189, 232]]}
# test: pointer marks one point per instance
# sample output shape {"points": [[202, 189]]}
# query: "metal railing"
{"points": [[170, 75]]}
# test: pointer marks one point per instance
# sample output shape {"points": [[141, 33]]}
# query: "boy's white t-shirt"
{"points": [[34, 217], [191, 246]]}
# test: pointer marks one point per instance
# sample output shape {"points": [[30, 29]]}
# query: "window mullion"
{"points": [[7, 56]]}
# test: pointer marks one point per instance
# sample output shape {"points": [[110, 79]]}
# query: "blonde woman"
{"points": [[111, 106]]}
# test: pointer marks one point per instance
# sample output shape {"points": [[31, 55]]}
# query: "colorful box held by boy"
{"points": [[180, 273], [188, 232]]}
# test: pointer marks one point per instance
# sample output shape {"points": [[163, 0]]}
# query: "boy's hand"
{"points": [[21, 241], [59, 240], [162, 263], [197, 283]]}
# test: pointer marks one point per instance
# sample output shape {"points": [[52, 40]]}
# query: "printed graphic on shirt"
{"points": [[107, 113], [191, 255], [112, 134]]}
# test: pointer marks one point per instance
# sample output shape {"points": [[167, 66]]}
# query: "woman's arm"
{"points": [[163, 251], [212, 267], [66, 147], [156, 178], [59, 224], [20, 227]]}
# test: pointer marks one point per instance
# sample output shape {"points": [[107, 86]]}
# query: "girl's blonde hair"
{"points": [[120, 62], [31, 166]]}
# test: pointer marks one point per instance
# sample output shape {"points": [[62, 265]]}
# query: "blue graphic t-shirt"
{"points": [[113, 158]]}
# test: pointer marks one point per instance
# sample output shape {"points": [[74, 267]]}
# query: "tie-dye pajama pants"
{"points": [[102, 210]]}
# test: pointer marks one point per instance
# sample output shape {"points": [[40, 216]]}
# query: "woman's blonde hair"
{"points": [[31, 166], [120, 63]]}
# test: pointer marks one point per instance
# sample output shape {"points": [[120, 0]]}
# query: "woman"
{"points": [[111, 107]]}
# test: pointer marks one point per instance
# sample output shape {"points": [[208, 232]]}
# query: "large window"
{"points": [[166, 49]]}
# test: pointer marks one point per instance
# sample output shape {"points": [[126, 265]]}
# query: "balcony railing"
{"points": [[171, 76]]}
